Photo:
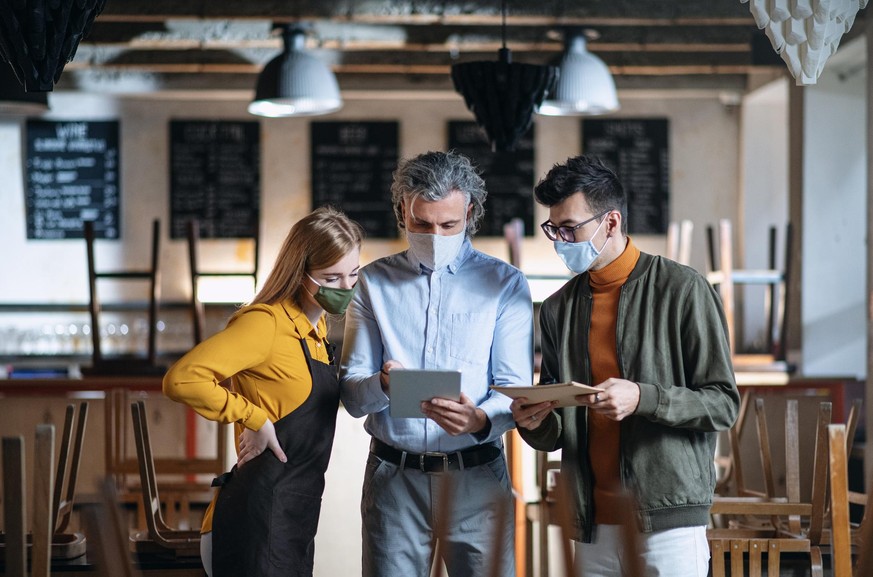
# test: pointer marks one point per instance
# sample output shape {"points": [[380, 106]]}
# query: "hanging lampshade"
{"points": [[585, 86], [14, 99], [295, 83], [503, 95], [39, 38]]}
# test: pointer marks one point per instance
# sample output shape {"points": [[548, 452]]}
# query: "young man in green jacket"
{"points": [[651, 334]]}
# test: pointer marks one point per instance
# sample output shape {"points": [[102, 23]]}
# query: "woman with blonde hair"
{"points": [[284, 397]]}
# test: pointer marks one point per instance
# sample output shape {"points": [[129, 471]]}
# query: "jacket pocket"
{"points": [[471, 337]]}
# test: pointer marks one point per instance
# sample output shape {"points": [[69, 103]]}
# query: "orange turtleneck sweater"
{"points": [[604, 433]]}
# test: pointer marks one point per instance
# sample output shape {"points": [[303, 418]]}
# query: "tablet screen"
{"points": [[410, 387]]}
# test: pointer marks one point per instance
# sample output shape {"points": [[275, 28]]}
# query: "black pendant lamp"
{"points": [[38, 38], [14, 100], [503, 95]]}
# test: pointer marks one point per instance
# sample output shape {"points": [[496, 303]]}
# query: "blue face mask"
{"points": [[436, 251], [579, 256]]}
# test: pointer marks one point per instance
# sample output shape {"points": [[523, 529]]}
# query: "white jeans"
{"points": [[206, 552], [682, 552]]}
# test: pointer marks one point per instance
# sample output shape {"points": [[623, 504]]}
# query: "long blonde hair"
{"points": [[316, 241]]}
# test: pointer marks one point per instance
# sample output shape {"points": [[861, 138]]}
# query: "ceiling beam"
{"points": [[541, 12]]}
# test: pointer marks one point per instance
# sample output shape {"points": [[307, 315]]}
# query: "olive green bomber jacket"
{"points": [[671, 339]]}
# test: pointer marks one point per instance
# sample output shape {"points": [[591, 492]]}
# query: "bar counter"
{"points": [[59, 387]]}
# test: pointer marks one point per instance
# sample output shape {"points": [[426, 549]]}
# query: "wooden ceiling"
{"points": [[402, 45]]}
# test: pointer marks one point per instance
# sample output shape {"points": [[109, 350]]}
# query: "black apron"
{"points": [[266, 513]]}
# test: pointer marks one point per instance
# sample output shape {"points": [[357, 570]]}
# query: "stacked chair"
{"points": [[54, 491], [754, 529], [159, 536]]}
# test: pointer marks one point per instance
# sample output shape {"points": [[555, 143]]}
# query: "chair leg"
{"points": [[43, 477], [737, 550], [716, 556], [816, 564], [60, 473], [774, 558], [197, 312], [13, 506], [841, 541], [756, 549], [155, 292], [93, 301]]}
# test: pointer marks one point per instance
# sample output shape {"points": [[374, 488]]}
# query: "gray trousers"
{"points": [[399, 509]]}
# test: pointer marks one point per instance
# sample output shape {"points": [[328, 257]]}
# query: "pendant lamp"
{"points": [[295, 83], [503, 95], [14, 100], [805, 33], [39, 38], [585, 86]]}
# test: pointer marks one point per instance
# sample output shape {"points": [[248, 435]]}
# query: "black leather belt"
{"points": [[436, 462]]}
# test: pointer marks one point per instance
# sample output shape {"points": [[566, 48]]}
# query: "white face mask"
{"points": [[579, 256], [435, 251]]}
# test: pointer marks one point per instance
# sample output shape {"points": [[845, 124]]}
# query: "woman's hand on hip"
{"points": [[253, 443]]}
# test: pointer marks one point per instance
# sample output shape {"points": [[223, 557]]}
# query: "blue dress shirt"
{"points": [[475, 315]]}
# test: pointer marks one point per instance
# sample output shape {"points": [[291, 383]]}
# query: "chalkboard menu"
{"points": [[72, 176], [352, 163], [638, 150], [215, 177], [509, 176]]}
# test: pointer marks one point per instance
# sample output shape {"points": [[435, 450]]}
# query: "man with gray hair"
{"points": [[441, 304]]}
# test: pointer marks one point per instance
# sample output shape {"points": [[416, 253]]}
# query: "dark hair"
{"points": [[586, 174], [433, 176]]}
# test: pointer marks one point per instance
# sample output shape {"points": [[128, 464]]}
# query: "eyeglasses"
{"points": [[567, 233]]}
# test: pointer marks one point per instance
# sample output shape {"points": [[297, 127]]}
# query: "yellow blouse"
{"points": [[259, 348]]}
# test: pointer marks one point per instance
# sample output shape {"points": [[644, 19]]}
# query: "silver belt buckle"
{"points": [[444, 456]]}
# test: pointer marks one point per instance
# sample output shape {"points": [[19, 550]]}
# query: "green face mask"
{"points": [[333, 300]]}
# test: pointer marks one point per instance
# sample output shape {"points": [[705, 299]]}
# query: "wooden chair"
{"points": [[121, 465], [43, 516], [864, 539], [754, 550], [180, 491], [731, 478], [843, 540], [198, 313], [546, 510], [769, 525], [13, 506], [679, 241], [100, 364], [159, 536], [725, 277], [69, 460], [107, 534], [841, 547], [62, 545]]}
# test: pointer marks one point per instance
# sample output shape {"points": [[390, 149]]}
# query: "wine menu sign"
{"points": [[71, 174]]}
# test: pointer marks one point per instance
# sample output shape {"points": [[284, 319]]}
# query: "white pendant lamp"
{"points": [[295, 83], [585, 86]]}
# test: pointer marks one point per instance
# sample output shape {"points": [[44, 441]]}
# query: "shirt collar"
{"points": [[465, 251], [301, 322]]}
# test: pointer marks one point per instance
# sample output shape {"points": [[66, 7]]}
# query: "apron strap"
{"points": [[331, 348]]}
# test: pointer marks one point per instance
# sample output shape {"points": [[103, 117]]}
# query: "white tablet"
{"points": [[411, 387]]}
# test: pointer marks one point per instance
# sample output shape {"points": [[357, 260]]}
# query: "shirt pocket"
{"points": [[471, 337]]}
